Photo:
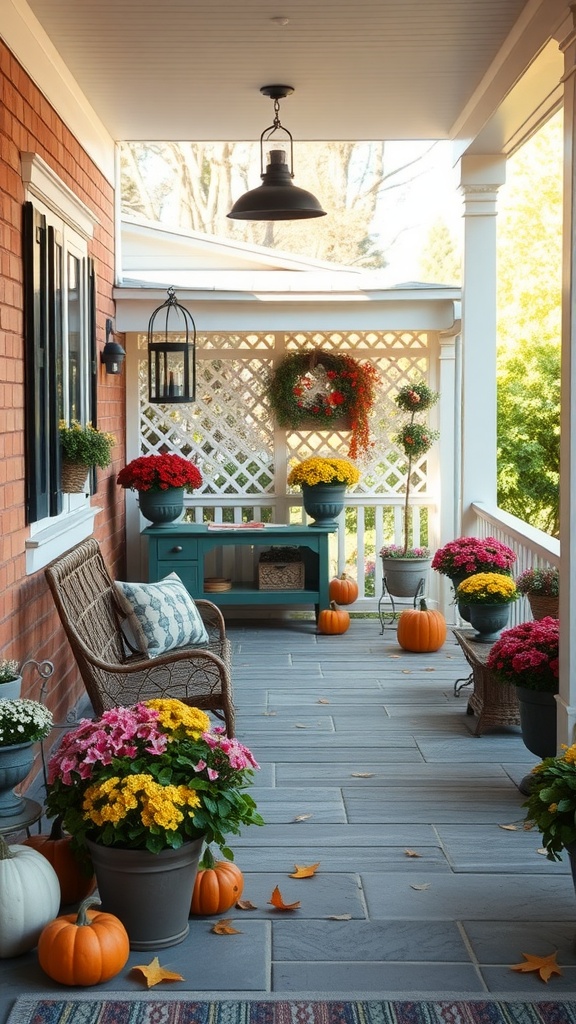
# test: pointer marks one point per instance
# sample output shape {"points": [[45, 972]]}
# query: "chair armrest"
{"points": [[213, 619]]}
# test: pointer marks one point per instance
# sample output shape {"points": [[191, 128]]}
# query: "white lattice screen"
{"points": [[230, 432]]}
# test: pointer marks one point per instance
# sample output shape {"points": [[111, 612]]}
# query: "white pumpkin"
{"points": [[29, 897]]}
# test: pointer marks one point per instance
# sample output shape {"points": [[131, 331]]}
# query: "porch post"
{"points": [[449, 452], [567, 695], [480, 179]]}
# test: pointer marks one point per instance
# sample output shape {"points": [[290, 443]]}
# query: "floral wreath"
{"points": [[322, 387]]}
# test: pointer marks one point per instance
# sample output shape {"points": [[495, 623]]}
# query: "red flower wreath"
{"points": [[318, 387]]}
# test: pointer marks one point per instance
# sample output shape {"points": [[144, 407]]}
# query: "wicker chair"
{"points": [[85, 597]]}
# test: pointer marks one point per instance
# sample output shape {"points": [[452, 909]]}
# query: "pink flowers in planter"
{"points": [[468, 555], [527, 655]]}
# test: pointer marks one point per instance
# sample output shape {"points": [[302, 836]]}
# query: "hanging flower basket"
{"points": [[314, 390]]}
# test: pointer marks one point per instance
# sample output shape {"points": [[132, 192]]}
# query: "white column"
{"points": [[567, 696], [449, 454], [480, 179]]}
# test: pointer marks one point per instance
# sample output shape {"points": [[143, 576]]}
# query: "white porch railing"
{"points": [[532, 546]]}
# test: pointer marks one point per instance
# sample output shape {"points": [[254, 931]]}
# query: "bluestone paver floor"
{"points": [[370, 768]]}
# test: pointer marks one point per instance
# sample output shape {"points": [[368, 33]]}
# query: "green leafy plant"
{"points": [[414, 438], [149, 777], [551, 806], [87, 445], [23, 721]]}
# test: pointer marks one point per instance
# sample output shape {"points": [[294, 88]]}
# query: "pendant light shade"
{"points": [[171, 354], [277, 198]]}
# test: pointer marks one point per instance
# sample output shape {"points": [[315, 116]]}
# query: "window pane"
{"points": [[74, 339]]}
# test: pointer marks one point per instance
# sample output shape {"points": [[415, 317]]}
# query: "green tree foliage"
{"points": [[529, 307], [441, 262]]}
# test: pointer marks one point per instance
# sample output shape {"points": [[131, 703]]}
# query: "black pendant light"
{"points": [[277, 198], [172, 360]]}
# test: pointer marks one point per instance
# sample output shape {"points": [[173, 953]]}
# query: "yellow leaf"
{"points": [[406, 671], [305, 870], [429, 669], [510, 828], [546, 966], [362, 775], [154, 973], [394, 655], [323, 700], [302, 817], [542, 851], [299, 725], [277, 901], [412, 853], [224, 927], [419, 888], [245, 905], [339, 917]]}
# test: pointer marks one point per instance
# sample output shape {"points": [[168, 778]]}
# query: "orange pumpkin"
{"points": [[421, 629], [86, 948], [333, 621], [75, 882], [217, 887], [343, 589]]}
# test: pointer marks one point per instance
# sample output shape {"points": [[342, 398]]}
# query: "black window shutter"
{"points": [[37, 412]]}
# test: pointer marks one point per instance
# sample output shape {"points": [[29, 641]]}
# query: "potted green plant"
{"points": [[82, 448], [542, 588], [141, 788], [160, 481], [527, 656], [323, 482], [10, 679], [487, 596], [551, 805]]}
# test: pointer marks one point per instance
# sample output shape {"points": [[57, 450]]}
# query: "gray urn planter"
{"points": [[406, 577]]}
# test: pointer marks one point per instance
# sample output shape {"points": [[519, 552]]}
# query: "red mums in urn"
{"points": [[468, 555], [159, 473], [527, 655]]}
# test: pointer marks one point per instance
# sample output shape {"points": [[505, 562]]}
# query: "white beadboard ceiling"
{"points": [[192, 69]]}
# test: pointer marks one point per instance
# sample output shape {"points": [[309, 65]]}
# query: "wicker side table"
{"points": [[494, 703]]}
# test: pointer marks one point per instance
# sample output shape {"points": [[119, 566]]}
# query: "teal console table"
{"points": [[182, 548]]}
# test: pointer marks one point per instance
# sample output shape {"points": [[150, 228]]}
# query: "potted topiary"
{"points": [[542, 588], [82, 448], [405, 568]]}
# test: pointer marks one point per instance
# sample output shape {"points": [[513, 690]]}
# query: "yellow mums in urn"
{"points": [[319, 470], [487, 588]]}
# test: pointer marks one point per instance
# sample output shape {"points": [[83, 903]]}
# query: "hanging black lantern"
{"points": [[172, 361]]}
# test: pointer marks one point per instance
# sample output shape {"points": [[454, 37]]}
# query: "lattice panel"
{"points": [[229, 429]]}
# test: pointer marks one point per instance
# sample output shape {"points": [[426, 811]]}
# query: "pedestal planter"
{"points": [[150, 893], [15, 763], [406, 577], [162, 507], [538, 721], [323, 502], [488, 620]]}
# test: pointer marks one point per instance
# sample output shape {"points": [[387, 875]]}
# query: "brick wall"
{"points": [[29, 626]]}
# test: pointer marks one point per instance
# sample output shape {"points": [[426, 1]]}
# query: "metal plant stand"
{"points": [[394, 600]]}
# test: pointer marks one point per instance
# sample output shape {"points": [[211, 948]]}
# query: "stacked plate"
{"points": [[216, 584]]}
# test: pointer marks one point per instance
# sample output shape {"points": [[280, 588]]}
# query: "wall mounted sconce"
{"points": [[112, 355], [277, 198], [172, 360]]}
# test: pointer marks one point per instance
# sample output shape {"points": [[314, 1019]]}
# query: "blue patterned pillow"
{"points": [[161, 616]]}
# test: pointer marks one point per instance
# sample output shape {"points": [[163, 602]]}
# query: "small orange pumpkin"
{"points": [[422, 629], [218, 886], [86, 948], [75, 882], [333, 620], [343, 589]]}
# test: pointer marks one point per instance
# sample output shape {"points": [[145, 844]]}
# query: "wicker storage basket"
{"points": [[542, 606], [74, 477], [280, 575]]}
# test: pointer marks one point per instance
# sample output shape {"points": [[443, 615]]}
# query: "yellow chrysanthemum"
{"points": [[160, 806], [317, 470], [174, 716], [486, 585]]}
